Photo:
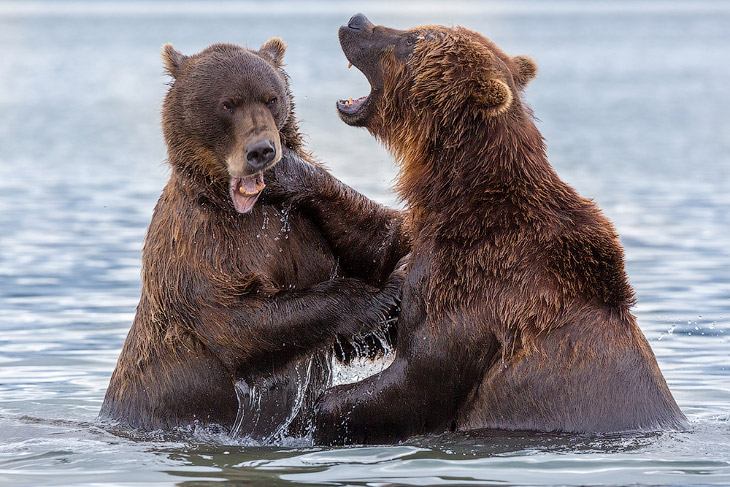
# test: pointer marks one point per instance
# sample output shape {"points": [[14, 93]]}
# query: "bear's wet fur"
{"points": [[515, 312], [235, 289]]}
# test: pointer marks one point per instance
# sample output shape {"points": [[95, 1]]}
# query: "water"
{"points": [[634, 104]]}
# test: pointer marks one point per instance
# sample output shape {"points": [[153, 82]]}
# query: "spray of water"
{"points": [[277, 408]]}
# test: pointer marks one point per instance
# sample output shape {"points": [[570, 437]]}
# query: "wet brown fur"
{"points": [[229, 296], [516, 308]]}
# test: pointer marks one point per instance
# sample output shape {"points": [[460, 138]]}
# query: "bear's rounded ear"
{"points": [[495, 95], [273, 50], [172, 60], [526, 68]]}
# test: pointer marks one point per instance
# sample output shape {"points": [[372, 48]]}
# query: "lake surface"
{"points": [[633, 99]]}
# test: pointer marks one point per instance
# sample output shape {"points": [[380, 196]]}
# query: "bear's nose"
{"points": [[260, 153], [357, 21]]}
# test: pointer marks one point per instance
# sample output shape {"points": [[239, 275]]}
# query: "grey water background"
{"points": [[633, 99]]}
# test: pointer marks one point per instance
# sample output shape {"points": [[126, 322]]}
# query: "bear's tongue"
{"points": [[245, 191]]}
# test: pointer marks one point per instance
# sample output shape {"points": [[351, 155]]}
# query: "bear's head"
{"points": [[429, 84], [227, 114]]}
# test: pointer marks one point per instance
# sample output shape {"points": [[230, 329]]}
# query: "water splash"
{"points": [[302, 385], [249, 406], [265, 222], [268, 406], [285, 223], [366, 362], [276, 408]]}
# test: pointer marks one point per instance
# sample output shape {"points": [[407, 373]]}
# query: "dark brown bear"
{"points": [[233, 290], [515, 311]]}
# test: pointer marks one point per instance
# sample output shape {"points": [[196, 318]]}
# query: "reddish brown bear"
{"points": [[515, 311], [233, 290]]}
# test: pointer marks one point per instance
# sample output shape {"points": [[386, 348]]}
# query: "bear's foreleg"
{"points": [[368, 238], [263, 335]]}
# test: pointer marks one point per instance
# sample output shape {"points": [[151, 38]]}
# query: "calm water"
{"points": [[634, 103]]}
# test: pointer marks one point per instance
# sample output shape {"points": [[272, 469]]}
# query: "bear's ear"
{"points": [[172, 59], [495, 95], [527, 69], [274, 50]]}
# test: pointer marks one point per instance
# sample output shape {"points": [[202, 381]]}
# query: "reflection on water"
{"points": [[633, 101]]}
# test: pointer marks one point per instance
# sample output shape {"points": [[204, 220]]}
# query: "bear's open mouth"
{"points": [[245, 191], [351, 106], [357, 111]]}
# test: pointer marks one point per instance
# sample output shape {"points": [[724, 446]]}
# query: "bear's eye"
{"points": [[272, 101], [227, 106], [410, 40]]}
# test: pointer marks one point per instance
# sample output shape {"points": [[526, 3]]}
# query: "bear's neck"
{"points": [[463, 184], [198, 175]]}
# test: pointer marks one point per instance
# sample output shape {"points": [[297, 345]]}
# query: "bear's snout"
{"points": [[260, 153], [358, 22]]}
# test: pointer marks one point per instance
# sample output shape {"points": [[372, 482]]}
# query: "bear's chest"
{"points": [[289, 250]]}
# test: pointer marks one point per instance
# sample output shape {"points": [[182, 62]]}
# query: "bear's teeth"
{"points": [[349, 65], [245, 192]]}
